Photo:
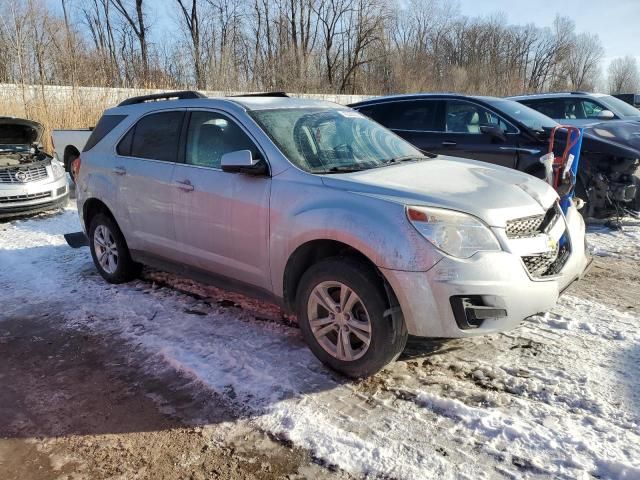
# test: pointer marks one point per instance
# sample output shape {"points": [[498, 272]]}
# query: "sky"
{"points": [[616, 22]]}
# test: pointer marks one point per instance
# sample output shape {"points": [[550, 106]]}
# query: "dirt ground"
{"points": [[73, 406]]}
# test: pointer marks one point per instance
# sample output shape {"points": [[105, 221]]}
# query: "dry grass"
{"points": [[68, 111], [80, 107]]}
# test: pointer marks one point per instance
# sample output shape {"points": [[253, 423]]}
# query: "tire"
{"points": [[635, 203], [107, 243], [67, 166], [387, 335]]}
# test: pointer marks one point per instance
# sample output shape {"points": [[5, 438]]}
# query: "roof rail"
{"points": [[183, 95], [263, 94]]}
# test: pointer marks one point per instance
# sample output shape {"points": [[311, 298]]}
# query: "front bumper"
{"points": [[21, 199], [500, 279]]}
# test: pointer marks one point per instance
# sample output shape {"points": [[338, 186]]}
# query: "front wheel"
{"points": [[344, 317]]}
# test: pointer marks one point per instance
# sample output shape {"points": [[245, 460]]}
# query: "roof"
{"points": [[556, 95], [418, 96], [243, 102]]}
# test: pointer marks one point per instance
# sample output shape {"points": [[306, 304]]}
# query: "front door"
{"points": [[463, 136], [221, 219]]}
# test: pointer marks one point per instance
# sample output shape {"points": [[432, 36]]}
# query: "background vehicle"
{"points": [[580, 108], [632, 99], [322, 210], [504, 132], [68, 144], [30, 180]]}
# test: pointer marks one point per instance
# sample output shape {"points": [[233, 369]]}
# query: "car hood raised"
{"points": [[493, 194], [19, 131]]}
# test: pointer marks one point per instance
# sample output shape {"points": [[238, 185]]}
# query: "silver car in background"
{"points": [[322, 210], [30, 180]]}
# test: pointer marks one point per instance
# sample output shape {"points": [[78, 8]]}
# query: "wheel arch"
{"points": [[70, 152], [312, 252], [93, 206]]}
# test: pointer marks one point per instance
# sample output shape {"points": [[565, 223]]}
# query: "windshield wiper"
{"points": [[406, 158], [344, 169]]}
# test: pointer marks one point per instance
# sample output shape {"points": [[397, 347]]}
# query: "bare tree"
{"points": [[623, 75], [583, 62], [135, 19], [192, 24]]}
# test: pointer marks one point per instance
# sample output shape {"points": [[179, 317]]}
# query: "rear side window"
{"points": [[156, 137], [418, 115], [104, 126]]}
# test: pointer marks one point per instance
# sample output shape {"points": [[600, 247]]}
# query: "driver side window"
{"points": [[210, 136], [466, 117], [591, 109]]}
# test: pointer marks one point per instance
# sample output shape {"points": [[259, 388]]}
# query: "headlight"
{"points": [[456, 234], [58, 168]]}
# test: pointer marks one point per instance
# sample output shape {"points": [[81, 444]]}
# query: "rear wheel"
{"points": [[343, 314], [110, 252]]}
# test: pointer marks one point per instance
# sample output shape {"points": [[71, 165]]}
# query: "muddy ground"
{"points": [[74, 406]]}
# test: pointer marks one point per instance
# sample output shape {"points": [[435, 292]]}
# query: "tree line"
{"points": [[329, 46]]}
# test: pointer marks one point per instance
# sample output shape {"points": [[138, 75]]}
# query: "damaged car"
{"points": [[322, 211], [507, 133], [31, 181]]}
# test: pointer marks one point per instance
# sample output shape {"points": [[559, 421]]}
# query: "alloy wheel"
{"points": [[339, 321], [106, 249]]}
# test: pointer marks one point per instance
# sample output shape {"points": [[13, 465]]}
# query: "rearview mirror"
{"points": [[606, 115], [242, 161], [494, 130]]}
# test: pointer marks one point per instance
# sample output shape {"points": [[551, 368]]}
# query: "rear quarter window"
{"points": [[104, 126], [155, 136]]}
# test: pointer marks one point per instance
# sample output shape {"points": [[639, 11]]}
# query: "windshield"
{"points": [[323, 140], [619, 107], [529, 117]]}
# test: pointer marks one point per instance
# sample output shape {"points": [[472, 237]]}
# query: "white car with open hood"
{"points": [[30, 180]]}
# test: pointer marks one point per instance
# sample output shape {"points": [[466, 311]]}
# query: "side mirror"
{"points": [[241, 161], [494, 131], [606, 115]]}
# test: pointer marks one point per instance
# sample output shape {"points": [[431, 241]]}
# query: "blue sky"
{"points": [[617, 22]]}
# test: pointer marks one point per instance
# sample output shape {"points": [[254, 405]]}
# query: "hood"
{"points": [[19, 131], [615, 137], [493, 194]]}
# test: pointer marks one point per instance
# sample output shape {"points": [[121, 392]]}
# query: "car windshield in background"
{"points": [[618, 106], [321, 140], [529, 117]]}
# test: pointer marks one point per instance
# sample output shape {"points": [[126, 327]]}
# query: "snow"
{"points": [[558, 396], [623, 243]]}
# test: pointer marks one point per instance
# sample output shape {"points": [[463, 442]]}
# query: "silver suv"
{"points": [[322, 210]]}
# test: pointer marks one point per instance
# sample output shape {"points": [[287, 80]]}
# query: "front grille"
{"points": [[22, 198], [23, 174], [531, 226], [547, 264]]}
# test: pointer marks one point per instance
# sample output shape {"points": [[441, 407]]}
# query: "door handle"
{"points": [[185, 185], [449, 144], [119, 170]]}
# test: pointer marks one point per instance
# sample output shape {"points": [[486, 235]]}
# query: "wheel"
{"points": [[341, 306], [110, 252], [635, 203]]}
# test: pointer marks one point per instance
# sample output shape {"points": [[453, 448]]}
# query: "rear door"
{"points": [[221, 218], [463, 136], [420, 122], [146, 158]]}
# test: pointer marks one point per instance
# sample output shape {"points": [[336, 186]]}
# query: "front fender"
{"points": [[375, 227]]}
